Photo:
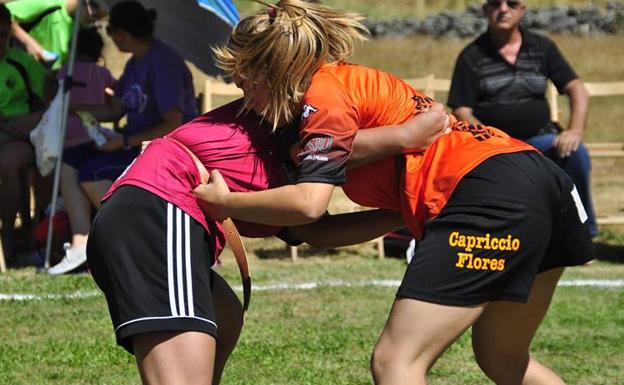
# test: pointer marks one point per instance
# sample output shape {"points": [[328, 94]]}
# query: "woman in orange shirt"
{"points": [[497, 222]]}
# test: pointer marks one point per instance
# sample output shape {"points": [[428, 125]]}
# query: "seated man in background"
{"points": [[24, 86], [500, 79]]}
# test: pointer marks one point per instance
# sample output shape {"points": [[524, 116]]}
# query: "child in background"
{"points": [[91, 82]]}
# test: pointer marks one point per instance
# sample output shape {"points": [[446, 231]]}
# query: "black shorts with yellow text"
{"points": [[512, 217]]}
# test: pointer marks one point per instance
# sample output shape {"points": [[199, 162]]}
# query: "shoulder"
{"points": [[27, 61], [101, 70], [162, 53], [326, 94], [538, 40], [336, 79], [475, 50], [322, 79]]}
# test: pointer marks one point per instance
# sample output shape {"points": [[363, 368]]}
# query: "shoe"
{"points": [[72, 260]]}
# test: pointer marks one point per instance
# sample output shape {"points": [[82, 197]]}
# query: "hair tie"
{"points": [[272, 11]]}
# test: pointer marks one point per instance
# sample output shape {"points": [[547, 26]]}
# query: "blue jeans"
{"points": [[577, 166]]}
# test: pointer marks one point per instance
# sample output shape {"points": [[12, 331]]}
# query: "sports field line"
{"points": [[604, 283]]}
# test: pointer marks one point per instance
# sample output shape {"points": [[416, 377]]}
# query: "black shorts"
{"points": [[80, 154], [152, 261], [512, 217]]}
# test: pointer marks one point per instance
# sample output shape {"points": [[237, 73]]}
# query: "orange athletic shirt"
{"points": [[343, 98]]}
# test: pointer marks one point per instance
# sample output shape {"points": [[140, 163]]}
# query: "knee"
{"points": [[381, 359], [12, 159], [387, 365], [502, 367], [580, 158]]}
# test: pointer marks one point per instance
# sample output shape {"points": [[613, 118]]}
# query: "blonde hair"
{"points": [[284, 45]]}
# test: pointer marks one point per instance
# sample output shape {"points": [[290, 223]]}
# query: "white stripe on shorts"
{"points": [[179, 261], [579, 205], [162, 318], [187, 255], [170, 280], [179, 268]]}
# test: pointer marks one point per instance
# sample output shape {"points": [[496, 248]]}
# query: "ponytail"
{"points": [[284, 45]]}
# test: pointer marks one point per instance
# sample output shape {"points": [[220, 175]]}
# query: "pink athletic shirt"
{"points": [[241, 148]]}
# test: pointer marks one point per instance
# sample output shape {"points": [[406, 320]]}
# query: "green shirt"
{"points": [[13, 89], [53, 32]]}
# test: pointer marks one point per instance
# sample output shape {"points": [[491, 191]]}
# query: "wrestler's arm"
{"points": [[288, 205], [304, 203], [346, 229], [416, 134]]}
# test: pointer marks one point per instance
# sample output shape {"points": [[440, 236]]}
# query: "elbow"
{"points": [[310, 213], [309, 210], [310, 201]]}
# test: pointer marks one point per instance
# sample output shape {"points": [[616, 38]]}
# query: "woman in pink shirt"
{"points": [[151, 247]]}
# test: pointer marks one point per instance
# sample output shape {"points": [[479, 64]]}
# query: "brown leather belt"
{"points": [[232, 236]]}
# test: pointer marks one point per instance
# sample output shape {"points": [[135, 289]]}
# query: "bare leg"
{"points": [[96, 190], [192, 357], [175, 358], [230, 315], [42, 186], [415, 335], [77, 205], [504, 333]]}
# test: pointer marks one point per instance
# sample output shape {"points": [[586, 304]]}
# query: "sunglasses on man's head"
{"points": [[512, 4]]}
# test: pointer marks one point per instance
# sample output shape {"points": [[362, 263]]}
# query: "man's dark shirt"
{"points": [[509, 97]]}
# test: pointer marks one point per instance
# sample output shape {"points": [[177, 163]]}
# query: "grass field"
{"points": [[325, 335], [317, 336]]}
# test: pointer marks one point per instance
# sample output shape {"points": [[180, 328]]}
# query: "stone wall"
{"points": [[584, 21]]}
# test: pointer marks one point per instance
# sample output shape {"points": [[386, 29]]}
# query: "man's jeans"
{"points": [[577, 166]]}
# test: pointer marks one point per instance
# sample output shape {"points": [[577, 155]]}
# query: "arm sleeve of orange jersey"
{"points": [[329, 122]]}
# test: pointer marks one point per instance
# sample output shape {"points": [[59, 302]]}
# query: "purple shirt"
{"points": [[154, 84], [92, 82], [240, 147]]}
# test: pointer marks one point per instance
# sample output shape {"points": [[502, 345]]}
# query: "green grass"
{"points": [[320, 336]]}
